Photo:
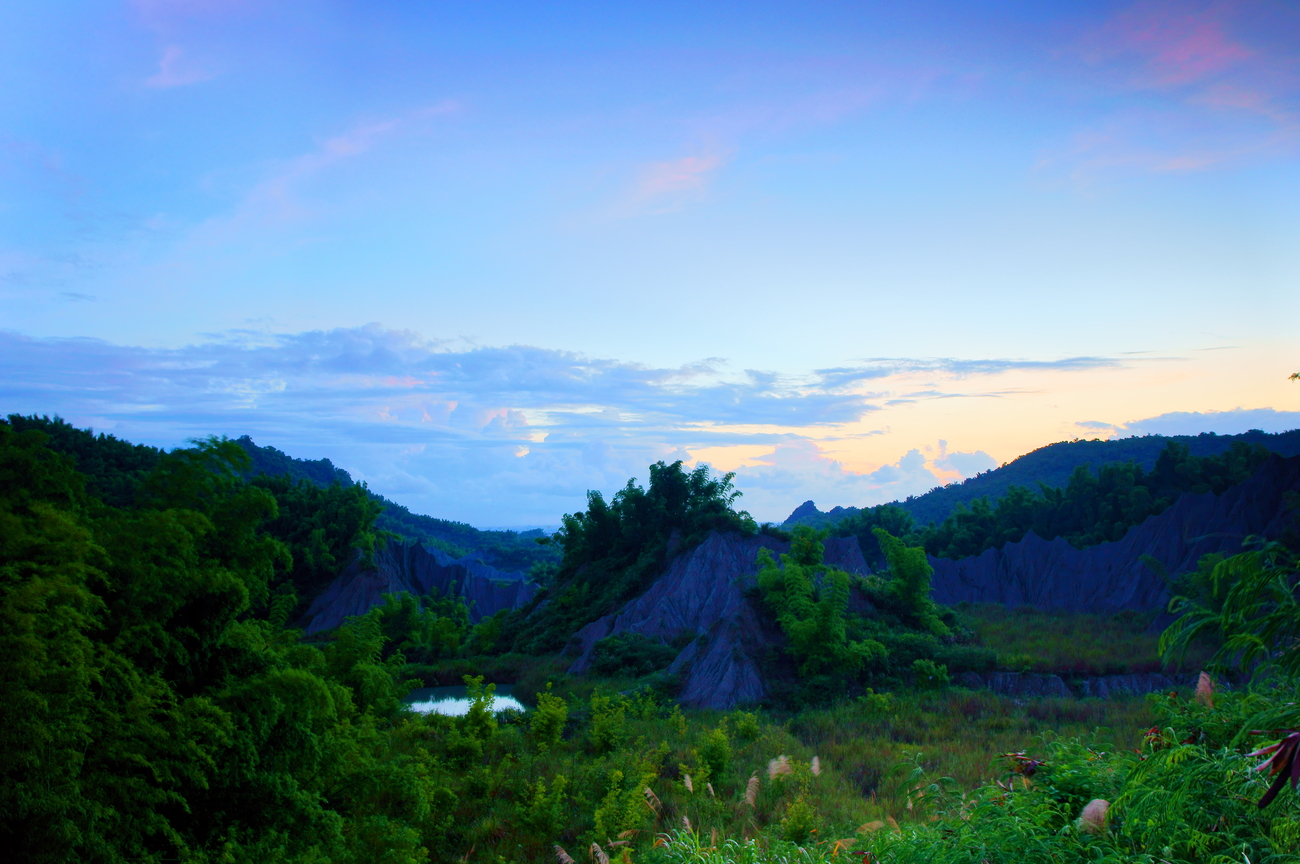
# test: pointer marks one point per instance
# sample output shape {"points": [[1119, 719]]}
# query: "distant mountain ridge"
{"points": [[1052, 466], [506, 551]]}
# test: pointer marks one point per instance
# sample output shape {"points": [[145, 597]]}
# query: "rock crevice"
{"points": [[1110, 577], [419, 571], [704, 594]]}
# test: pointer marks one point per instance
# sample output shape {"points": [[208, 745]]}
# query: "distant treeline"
{"points": [[115, 468], [1092, 508], [1052, 465]]}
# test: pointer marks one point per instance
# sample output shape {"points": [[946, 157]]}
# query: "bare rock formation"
{"points": [[419, 571], [703, 594], [1023, 685], [1113, 576]]}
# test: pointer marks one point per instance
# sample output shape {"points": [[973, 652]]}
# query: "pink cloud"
{"points": [[174, 72], [681, 175], [1203, 86], [1172, 46]]}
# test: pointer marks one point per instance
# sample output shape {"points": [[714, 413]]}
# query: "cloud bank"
{"points": [[516, 435], [1232, 422], [492, 435]]}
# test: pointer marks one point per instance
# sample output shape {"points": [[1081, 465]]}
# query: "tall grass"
{"points": [[1063, 643], [1187, 794], [956, 733]]}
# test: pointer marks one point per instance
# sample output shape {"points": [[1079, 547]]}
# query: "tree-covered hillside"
{"points": [[1052, 466], [613, 549], [509, 551], [115, 468], [1092, 508]]}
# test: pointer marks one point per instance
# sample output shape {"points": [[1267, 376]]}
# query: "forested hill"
{"points": [[1052, 466], [504, 550], [114, 469]]}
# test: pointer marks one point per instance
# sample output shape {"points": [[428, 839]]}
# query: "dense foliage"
{"points": [[324, 528], [1092, 508], [612, 549], [148, 713], [114, 469], [505, 550], [810, 602], [844, 632], [155, 706], [1052, 466]]}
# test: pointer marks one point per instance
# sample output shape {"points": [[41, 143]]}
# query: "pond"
{"points": [[454, 701]]}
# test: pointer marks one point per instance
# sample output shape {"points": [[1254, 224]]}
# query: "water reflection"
{"points": [[454, 701]]}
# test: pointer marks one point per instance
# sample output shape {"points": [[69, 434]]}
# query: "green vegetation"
{"points": [[1189, 792], [113, 469], [149, 713], [898, 636], [612, 549], [1090, 509], [505, 550], [324, 528], [809, 601], [1053, 464], [1073, 644], [155, 705]]}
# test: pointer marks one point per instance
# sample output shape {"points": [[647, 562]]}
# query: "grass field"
{"points": [[1068, 644]]}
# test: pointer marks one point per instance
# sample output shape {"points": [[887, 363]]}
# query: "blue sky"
{"points": [[489, 255]]}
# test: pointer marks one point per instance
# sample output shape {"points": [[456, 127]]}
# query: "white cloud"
{"points": [[1232, 422], [438, 428], [490, 435], [175, 71], [798, 470]]}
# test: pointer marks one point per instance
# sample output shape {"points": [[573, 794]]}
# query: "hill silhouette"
{"points": [[1051, 466]]}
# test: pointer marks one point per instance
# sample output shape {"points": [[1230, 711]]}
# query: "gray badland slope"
{"points": [[419, 571], [704, 590], [1113, 576], [703, 593], [1052, 466]]}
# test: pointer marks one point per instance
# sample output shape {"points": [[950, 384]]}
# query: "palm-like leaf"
{"points": [[1252, 606], [1282, 764]]}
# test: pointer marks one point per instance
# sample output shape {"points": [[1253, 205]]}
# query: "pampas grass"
{"points": [[778, 767], [1205, 690], [1093, 818]]}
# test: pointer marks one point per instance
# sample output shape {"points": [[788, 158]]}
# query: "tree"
{"points": [[809, 601]]}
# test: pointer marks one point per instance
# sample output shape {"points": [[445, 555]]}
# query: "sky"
{"points": [[487, 256]]}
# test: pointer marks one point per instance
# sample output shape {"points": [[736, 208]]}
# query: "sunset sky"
{"points": [[487, 256]]}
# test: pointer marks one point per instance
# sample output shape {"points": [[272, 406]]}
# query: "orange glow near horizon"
{"points": [[1009, 414]]}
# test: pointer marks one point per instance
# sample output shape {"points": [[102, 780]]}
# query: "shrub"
{"points": [[548, 720], [745, 723], [715, 752], [607, 719], [631, 655], [930, 675]]}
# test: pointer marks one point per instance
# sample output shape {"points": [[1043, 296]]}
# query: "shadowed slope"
{"points": [[418, 571], [1113, 576], [703, 593]]}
